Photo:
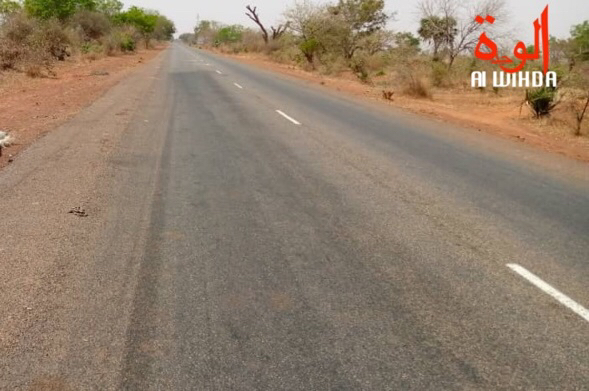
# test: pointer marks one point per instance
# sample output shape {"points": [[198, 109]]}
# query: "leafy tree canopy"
{"points": [[109, 7], [141, 19], [164, 29], [580, 36], [60, 9], [362, 15], [9, 6], [230, 34]]}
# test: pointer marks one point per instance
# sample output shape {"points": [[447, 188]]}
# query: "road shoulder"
{"points": [[30, 108]]}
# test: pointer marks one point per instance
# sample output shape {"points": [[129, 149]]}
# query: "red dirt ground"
{"points": [[29, 108]]}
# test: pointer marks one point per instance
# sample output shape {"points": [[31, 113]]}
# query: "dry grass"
{"points": [[417, 87], [34, 71]]}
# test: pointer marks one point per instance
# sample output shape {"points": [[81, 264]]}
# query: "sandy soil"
{"points": [[29, 108], [485, 111]]}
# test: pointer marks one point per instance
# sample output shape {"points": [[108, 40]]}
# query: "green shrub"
{"points": [[309, 47], [142, 20], [358, 66], [120, 40], [56, 9], [91, 47], [229, 34], [542, 101], [128, 43]]}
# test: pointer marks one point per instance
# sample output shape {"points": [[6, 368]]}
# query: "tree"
{"points": [[358, 19], [9, 6], [455, 21], [364, 16], [187, 38], [253, 15], [562, 51], [60, 9], [277, 32], [406, 45], [144, 21], [340, 30], [438, 31], [407, 40], [306, 21], [580, 41], [109, 7], [579, 81], [205, 32], [229, 34], [164, 29], [581, 111]]}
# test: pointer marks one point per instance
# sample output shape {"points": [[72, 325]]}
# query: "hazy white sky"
{"points": [[563, 13]]}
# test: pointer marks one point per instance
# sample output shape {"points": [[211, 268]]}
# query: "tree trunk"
{"points": [[581, 116], [253, 15]]}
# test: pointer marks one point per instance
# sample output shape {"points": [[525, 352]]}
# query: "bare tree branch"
{"points": [[253, 15], [278, 32]]}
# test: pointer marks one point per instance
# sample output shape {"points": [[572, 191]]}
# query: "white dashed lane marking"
{"points": [[294, 121], [550, 290]]}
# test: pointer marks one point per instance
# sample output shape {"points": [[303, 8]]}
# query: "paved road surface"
{"points": [[245, 231]]}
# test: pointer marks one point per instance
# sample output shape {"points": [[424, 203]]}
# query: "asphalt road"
{"points": [[245, 231]]}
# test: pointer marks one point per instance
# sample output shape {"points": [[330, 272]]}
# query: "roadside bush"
{"points": [[91, 47], [127, 43], [91, 25], [111, 45], [10, 55], [252, 41], [34, 36], [19, 45], [358, 66], [52, 38], [376, 62], [274, 46], [17, 28], [411, 76], [286, 54], [440, 75], [309, 48], [29, 45], [542, 101], [417, 87], [284, 50], [120, 40]]}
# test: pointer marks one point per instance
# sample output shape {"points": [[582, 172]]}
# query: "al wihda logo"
{"points": [[512, 75]]}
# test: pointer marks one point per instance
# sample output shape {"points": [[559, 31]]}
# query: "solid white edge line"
{"points": [[238, 86], [294, 121], [551, 291]]}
